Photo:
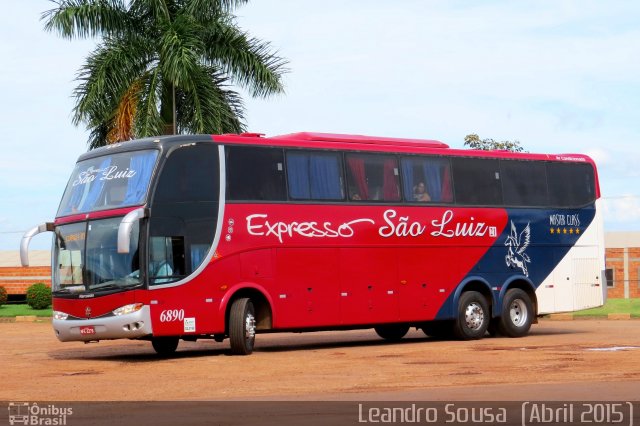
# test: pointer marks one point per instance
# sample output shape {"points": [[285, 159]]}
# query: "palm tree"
{"points": [[164, 66]]}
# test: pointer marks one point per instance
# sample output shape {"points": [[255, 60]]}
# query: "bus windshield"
{"points": [[86, 258], [110, 181]]}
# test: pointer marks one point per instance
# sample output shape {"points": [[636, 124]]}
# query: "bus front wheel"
{"points": [[517, 313], [473, 316], [392, 332], [242, 327], [165, 346]]}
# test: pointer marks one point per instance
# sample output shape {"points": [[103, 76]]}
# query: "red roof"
{"points": [[362, 139]]}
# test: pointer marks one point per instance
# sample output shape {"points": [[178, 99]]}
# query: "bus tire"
{"points": [[473, 316], [517, 313], [438, 329], [392, 332], [165, 345], [242, 327]]}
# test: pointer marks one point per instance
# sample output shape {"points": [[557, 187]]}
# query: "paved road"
{"points": [[578, 360]]}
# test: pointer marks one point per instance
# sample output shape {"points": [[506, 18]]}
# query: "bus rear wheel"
{"points": [[242, 327], [165, 346], [392, 332], [517, 313], [473, 316]]}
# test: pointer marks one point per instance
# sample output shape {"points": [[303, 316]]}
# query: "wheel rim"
{"points": [[518, 313], [250, 327], [474, 316]]}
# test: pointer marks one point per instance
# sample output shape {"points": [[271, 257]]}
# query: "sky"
{"points": [[558, 76]]}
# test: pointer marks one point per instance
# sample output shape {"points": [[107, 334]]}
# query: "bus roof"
{"points": [[378, 143], [361, 139], [336, 142], [330, 141]]}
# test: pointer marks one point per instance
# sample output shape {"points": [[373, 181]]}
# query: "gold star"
{"points": [[564, 230], [552, 230], [571, 230], [558, 230], [577, 230]]}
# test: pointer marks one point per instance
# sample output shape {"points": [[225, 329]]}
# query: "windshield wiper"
{"points": [[104, 286], [70, 289], [120, 283]]}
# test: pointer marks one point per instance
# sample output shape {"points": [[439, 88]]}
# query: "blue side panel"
{"points": [[530, 247]]}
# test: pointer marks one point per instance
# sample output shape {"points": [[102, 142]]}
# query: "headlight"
{"points": [[128, 309], [60, 315]]}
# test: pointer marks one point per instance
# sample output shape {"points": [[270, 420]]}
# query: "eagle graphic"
{"points": [[516, 246]]}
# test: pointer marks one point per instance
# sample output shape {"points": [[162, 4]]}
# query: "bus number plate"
{"points": [[87, 329]]}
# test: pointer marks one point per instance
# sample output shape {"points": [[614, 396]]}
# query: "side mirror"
{"points": [[126, 225], [26, 240]]}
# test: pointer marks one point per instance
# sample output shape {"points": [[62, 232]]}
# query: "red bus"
{"points": [[227, 236]]}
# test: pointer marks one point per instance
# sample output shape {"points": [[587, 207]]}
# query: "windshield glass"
{"points": [[87, 259], [107, 182]]}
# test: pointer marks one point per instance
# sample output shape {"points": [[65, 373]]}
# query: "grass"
{"points": [[613, 306], [14, 310]]}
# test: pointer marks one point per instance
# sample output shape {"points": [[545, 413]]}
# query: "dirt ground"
{"points": [[578, 360]]}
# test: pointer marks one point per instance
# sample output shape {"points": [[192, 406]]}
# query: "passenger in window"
{"points": [[354, 194], [420, 193]]}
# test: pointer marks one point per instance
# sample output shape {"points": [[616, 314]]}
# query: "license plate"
{"points": [[87, 329]]}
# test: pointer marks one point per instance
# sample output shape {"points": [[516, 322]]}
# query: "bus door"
{"points": [[587, 280], [166, 265], [562, 287]]}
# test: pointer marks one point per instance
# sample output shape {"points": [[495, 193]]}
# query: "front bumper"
{"points": [[129, 326]]}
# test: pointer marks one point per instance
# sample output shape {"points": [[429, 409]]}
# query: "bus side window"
{"points": [[198, 253], [373, 177], [524, 183], [477, 181], [573, 184], [314, 175], [184, 211], [427, 179], [255, 174]]}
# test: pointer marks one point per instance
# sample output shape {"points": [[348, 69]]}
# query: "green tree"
{"points": [[164, 66], [473, 141]]}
